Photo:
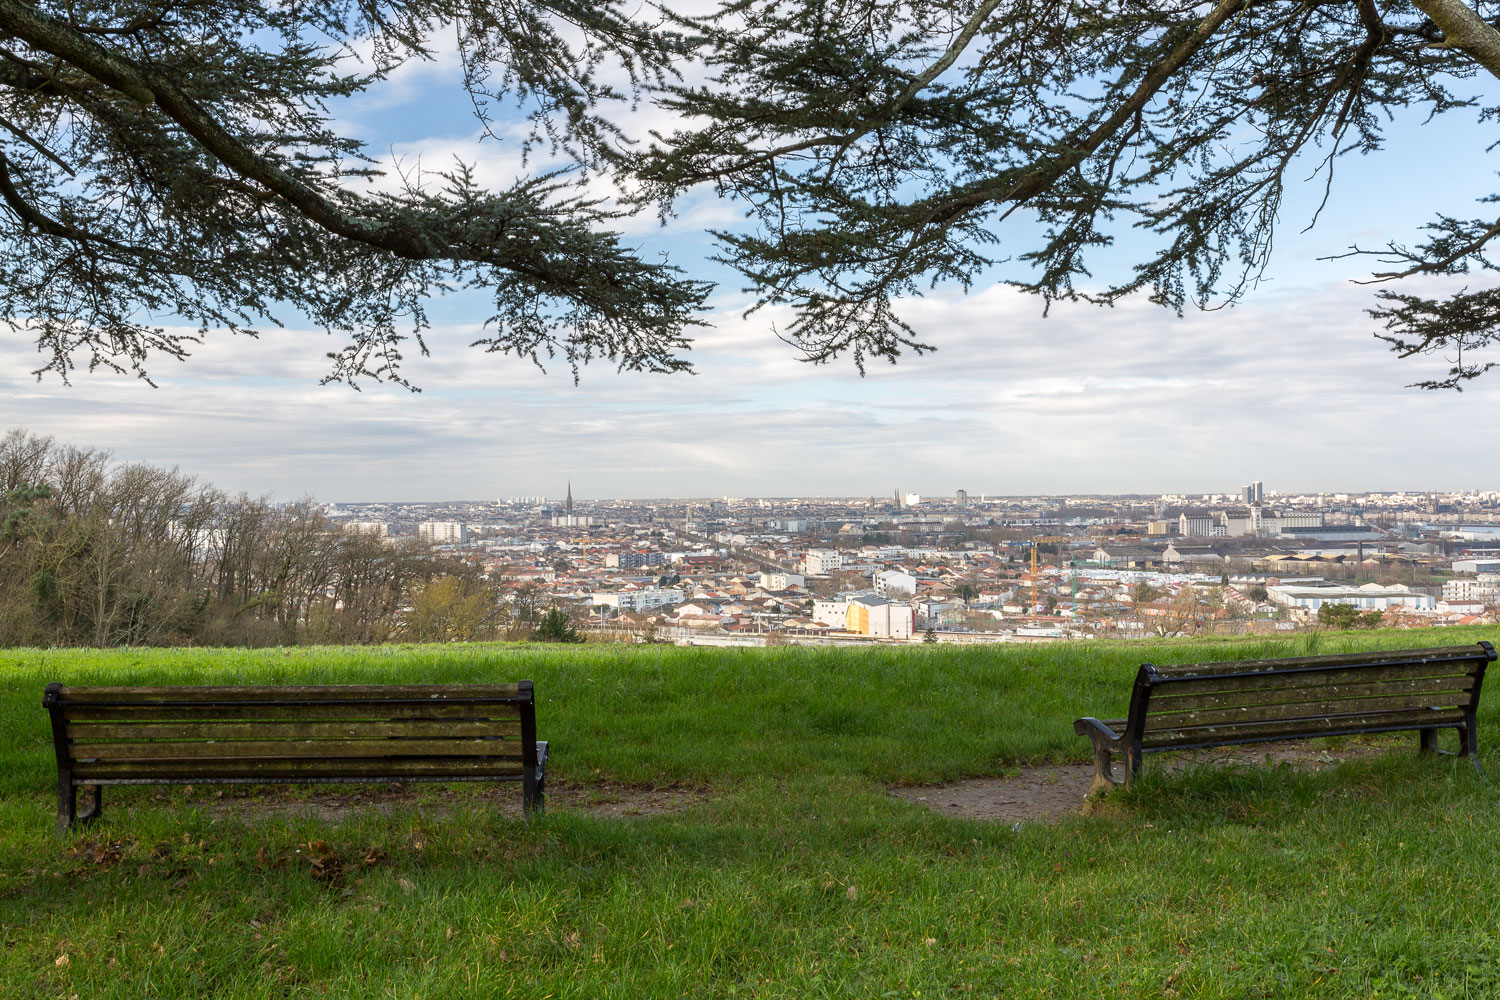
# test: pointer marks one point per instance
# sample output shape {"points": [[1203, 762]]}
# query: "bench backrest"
{"points": [[1246, 701], [400, 732]]}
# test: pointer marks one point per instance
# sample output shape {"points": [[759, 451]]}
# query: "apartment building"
{"points": [[443, 532], [820, 562]]}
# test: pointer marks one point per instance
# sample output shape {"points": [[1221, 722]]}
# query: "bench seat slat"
{"points": [[239, 694], [1312, 726], [1375, 658], [1167, 701], [1156, 721], [297, 769], [1294, 679], [232, 749], [369, 709], [347, 729]]}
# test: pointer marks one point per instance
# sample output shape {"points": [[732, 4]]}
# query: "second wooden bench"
{"points": [[295, 733], [1256, 701]]}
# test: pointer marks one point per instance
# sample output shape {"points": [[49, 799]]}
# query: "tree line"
{"points": [[99, 553]]}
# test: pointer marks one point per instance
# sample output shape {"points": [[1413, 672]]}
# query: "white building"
{"points": [[876, 616], [644, 599], [443, 532], [821, 562], [1370, 597], [1485, 589], [895, 583], [1195, 525], [835, 613], [379, 529], [781, 581]]}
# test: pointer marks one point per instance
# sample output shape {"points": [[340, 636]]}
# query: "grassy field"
{"points": [[793, 874]]}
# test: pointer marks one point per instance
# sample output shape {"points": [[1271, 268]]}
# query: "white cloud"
{"points": [[1290, 389]]}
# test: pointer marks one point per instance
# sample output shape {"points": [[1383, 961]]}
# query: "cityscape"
{"points": [[972, 568]]}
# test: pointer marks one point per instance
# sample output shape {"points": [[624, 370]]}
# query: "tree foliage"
{"points": [[881, 147], [1346, 616], [98, 554], [164, 162], [557, 626], [168, 162]]}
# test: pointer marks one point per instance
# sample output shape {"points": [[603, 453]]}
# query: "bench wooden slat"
{"points": [[1305, 726], [277, 693], [231, 749], [348, 729], [1374, 658], [1300, 709], [369, 709], [1166, 701], [295, 768], [1295, 679]]}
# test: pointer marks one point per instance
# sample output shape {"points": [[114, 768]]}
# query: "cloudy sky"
{"points": [[1289, 388]]}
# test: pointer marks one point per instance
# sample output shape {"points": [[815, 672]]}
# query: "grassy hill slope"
{"points": [[796, 876]]}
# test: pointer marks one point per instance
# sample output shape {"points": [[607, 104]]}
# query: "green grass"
{"points": [[797, 876]]}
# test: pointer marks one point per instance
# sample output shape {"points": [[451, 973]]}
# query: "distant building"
{"points": [[820, 562], [568, 519], [633, 560], [895, 583], [781, 581], [379, 529], [835, 613], [637, 600], [875, 616], [1199, 525], [1486, 589], [443, 532], [1370, 597]]}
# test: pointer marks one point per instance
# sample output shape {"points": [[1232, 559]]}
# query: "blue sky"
{"points": [[1289, 387]]}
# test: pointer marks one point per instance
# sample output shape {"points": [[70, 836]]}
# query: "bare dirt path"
{"points": [[332, 803], [1050, 791]]}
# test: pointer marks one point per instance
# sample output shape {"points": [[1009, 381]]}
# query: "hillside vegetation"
{"points": [[793, 872]]}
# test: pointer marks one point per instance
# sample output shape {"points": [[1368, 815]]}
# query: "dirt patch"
{"points": [[334, 803], [1039, 794]]}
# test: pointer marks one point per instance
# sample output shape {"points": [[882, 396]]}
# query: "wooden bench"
{"points": [[328, 733], [1255, 701]]}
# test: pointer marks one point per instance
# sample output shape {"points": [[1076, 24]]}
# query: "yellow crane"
{"points": [[1035, 541]]}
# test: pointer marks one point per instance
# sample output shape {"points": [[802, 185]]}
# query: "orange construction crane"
{"points": [[1035, 541]]}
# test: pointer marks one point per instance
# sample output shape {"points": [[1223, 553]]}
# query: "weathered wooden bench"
{"points": [[1255, 701], [292, 734]]}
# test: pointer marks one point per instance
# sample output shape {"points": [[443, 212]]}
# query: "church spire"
{"points": [[570, 498]]}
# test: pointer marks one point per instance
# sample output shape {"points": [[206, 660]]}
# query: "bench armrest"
{"points": [[1097, 730]]}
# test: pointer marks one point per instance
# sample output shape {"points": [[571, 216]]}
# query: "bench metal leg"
{"points": [[68, 815], [1104, 778], [1428, 738], [67, 802], [534, 784], [97, 808]]}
